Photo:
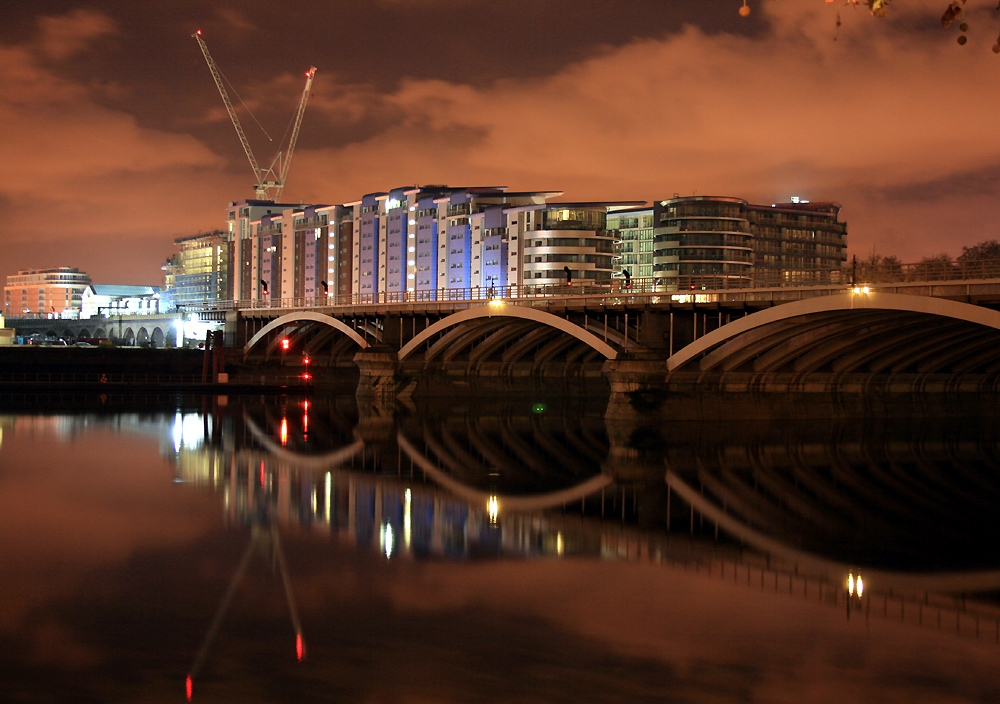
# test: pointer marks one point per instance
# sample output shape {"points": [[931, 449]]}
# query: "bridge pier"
{"points": [[638, 386], [381, 379]]}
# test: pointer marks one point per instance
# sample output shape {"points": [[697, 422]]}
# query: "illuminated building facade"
{"points": [[56, 292], [633, 230], [729, 238], [197, 273], [249, 241], [438, 239], [119, 299], [415, 239]]}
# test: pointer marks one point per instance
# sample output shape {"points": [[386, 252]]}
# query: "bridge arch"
{"points": [[486, 315], [305, 316], [538, 502], [851, 332], [324, 462]]}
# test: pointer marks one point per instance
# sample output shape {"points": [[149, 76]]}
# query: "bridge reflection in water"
{"points": [[897, 491]]}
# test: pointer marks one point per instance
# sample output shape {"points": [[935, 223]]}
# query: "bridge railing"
{"points": [[848, 275], [853, 274]]}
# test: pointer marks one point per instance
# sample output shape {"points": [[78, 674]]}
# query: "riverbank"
{"points": [[110, 370]]}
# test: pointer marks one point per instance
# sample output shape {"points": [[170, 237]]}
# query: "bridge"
{"points": [[845, 327], [916, 333]]}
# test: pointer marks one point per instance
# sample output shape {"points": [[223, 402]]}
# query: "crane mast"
{"points": [[268, 185]]}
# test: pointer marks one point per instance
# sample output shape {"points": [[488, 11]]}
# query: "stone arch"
{"points": [[511, 311], [157, 338], [142, 337], [305, 316], [128, 337], [838, 313]]}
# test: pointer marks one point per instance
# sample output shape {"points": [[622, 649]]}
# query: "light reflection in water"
{"points": [[188, 431], [407, 520], [374, 494], [385, 539]]}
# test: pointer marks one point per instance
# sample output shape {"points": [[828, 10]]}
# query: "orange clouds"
{"points": [[789, 112], [890, 117], [62, 36]]}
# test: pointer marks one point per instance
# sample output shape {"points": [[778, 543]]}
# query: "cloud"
{"points": [[62, 36], [790, 111], [91, 170], [235, 19], [889, 117]]}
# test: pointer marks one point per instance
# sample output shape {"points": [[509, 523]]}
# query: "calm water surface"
{"points": [[524, 549]]}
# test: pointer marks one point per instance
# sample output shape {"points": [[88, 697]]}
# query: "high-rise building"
{"points": [[197, 272], [415, 239], [633, 229], [441, 240], [246, 252], [731, 241], [54, 292]]}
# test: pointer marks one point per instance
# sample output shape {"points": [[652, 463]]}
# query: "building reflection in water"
{"points": [[856, 505], [880, 511], [315, 464]]}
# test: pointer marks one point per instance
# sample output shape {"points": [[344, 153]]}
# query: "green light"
{"points": [[539, 408]]}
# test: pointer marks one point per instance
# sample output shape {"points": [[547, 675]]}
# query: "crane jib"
{"points": [[268, 184]]}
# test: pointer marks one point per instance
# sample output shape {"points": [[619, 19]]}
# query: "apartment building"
{"points": [[56, 292], [725, 238], [442, 240]]}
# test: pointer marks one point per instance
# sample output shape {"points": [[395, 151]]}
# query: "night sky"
{"points": [[115, 141]]}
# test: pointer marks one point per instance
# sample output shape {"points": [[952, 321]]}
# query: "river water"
{"points": [[529, 547]]}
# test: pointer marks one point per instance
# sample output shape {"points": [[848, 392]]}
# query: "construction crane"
{"points": [[269, 182]]}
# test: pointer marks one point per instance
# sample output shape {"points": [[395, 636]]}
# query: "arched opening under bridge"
{"points": [[309, 333], [875, 333], [497, 338]]}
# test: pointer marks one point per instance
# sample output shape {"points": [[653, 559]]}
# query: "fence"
{"points": [[849, 275]]}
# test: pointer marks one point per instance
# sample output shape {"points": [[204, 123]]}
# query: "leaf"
{"points": [[951, 14]]}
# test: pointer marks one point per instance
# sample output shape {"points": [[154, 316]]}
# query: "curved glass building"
{"points": [[728, 242]]}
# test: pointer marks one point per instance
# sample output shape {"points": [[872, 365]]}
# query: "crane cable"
{"points": [[245, 106]]}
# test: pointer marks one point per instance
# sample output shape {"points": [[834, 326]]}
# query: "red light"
{"points": [[300, 646], [188, 685], [306, 360], [284, 431], [285, 343], [306, 377], [198, 32], [262, 472]]}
